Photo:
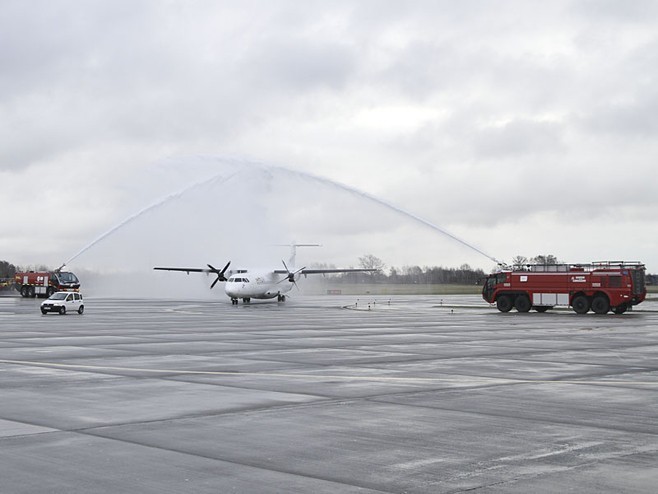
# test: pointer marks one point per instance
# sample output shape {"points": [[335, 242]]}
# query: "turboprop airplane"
{"points": [[246, 284]]}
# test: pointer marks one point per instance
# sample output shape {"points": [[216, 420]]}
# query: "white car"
{"points": [[62, 302]]}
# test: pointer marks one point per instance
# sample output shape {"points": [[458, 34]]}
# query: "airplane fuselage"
{"points": [[257, 285]]}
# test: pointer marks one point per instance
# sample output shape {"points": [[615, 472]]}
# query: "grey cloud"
{"points": [[615, 11], [519, 138], [297, 64]]}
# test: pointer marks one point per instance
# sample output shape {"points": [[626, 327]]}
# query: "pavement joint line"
{"points": [[492, 380]]}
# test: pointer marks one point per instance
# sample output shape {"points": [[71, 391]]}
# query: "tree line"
{"points": [[7, 270], [463, 275]]}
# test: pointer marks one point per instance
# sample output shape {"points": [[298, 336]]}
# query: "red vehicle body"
{"points": [[33, 283], [600, 286]]}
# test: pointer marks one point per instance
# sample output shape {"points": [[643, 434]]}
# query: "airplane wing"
{"points": [[326, 271], [186, 270], [211, 269]]}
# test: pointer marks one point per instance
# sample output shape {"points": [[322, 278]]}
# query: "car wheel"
{"points": [[62, 310], [81, 309], [44, 311]]}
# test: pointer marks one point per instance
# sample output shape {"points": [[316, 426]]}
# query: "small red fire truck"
{"points": [[600, 286], [45, 283]]}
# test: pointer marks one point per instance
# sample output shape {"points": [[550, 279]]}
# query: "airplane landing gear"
{"points": [[281, 298], [234, 301]]}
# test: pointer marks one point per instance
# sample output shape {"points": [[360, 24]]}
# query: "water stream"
{"points": [[242, 172]]}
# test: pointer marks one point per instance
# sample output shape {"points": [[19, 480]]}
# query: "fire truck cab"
{"points": [[600, 286]]}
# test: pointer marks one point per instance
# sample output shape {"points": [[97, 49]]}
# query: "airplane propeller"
{"points": [[220, 274], [291, 275]]}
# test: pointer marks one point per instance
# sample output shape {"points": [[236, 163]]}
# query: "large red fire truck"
{"points": [[600, 286], [45, 283]]}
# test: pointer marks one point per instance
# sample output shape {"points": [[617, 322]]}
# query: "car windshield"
{"points": [[58, 296]]}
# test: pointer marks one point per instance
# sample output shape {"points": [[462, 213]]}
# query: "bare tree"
{"points": [[368, 261], [545, 259]]}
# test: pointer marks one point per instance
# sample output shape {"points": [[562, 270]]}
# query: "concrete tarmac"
{"points": [[326, 394]]}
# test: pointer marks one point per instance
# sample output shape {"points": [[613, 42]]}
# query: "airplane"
{"points": [[246, 284]]}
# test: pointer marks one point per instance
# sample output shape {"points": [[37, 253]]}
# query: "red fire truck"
{"points": [[45, 283], [600, 286]]}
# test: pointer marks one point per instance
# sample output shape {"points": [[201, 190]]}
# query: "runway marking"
{"points": [[483, 380]]}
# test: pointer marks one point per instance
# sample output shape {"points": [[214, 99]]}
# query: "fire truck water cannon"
{"points": [[45, 283], [600, 286]]}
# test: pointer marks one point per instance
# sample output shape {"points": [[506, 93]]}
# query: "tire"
{"points": [[620, 309], [522, 303], [31, 292], [49, 291], [44, 311], [24, 291], [600, 304], [504, 303], [81, 309], [62, 310], [580, 304]]}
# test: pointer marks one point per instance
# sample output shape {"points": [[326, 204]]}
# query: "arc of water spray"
{"points": [[304, 176], [353, 190], [146, 210]]}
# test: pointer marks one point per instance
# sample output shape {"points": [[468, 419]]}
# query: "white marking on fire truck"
{"points": [[578, 279]]}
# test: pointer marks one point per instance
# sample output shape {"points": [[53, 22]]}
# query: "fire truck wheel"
{"points": [[580, 304], [504, 303], [62, 310], [24, 291], [600, 304], [50, 291], [31, 292], [522, 303], [620, 309]]}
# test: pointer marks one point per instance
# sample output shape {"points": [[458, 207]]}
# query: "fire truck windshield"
{"points": [[67, 278]]}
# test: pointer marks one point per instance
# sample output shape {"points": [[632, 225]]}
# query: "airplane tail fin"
{"points": [[293, 252]]}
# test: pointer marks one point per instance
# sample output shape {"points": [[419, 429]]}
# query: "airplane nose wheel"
{"points": [[281, 298], [234, 301]]}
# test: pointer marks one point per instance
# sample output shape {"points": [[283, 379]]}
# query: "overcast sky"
{"points": [[522, 127]]}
